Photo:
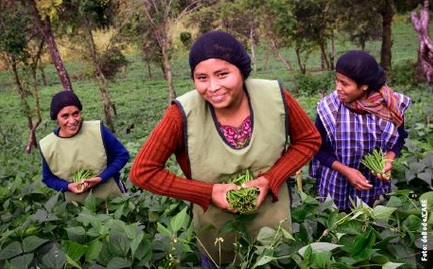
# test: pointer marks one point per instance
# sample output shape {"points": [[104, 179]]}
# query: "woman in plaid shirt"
{"points": [[362, 114]]}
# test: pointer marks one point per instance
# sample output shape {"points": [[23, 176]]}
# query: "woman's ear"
{"points": [[364, 87]]}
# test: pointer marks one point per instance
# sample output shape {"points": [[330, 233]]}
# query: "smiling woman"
{"points": [[228, 125], [363, 114], [77, 145]]}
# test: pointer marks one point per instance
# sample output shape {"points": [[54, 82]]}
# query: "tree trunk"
{"points": [[31, 141], [103, 84], [253, 49], [425, 51], [387, 15], [298, 56], [45, 28], [163, 39], [278, 54]]}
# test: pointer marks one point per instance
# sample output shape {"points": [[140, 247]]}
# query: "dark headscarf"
{"points": [[63, 99], [220, 45], [361, 67]]}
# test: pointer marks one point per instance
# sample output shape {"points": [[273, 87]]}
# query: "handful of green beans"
{"points": [[375, 161], [82, 174], [243, 200]]}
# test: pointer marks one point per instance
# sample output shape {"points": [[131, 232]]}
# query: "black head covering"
{"points": [[220, 45], [63, 99], [361, 67]]}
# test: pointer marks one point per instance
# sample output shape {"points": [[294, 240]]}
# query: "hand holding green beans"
{"points": [[375, 161], [243, 200]]}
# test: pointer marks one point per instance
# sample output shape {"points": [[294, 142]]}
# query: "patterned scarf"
{"points": [[382, 103]]}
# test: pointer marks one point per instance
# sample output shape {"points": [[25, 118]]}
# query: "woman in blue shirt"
{"points": [[78, 145]]}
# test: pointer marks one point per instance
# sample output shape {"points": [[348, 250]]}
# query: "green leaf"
{"points": [[77, 230], [263, 260], [55, 258], [52, 202], [321, 259], [427, 176], [382, 212], [94, 250], [22, 261], [118, 263], [178, 220], [144, 251], [318, 247], [32, 242], [135, 243], [11, 250], [163, 230], [391, 265], [266, 236], [119, 243], [74, 250], [427, 199], [72, 262]]}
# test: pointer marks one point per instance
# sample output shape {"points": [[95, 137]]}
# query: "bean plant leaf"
{"points": [[322, 258], [94, 250], [391, 265], [382, 212], [426, 199], [427, 176], [32, 242], [163, 230], [22, 261], [266, 236], [74, 250], [135, 243], [72, 262], [178, 220], [77, 230], [55, 258], [319, 247], [264, 260], [118, 263], [52, 202], [11, 250], [119, 243]]}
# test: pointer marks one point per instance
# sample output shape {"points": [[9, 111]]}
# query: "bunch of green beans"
{"points": [[375, 161], [82, 174], [243, 200]]}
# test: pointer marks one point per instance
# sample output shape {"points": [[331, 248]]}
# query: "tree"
{"points": [[420, 23], [160, 16], [85, 17], [387, 10], [230, 17], [41, 11], [20, 49]]}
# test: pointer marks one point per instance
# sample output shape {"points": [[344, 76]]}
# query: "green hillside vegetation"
{"points": [[40, 230]]}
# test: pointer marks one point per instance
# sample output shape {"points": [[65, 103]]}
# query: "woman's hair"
{"points": [[362, 68], [220, 45]]}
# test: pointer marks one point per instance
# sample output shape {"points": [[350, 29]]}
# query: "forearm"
{"points": [[148, 169], [117, 155], [52, 181]]}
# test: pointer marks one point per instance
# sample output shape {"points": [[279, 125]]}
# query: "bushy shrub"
{"points": [[112, 62], [404, 73], [312, 84]]}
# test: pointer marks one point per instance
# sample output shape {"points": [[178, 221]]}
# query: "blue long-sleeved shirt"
{"points": [[117, 157]]}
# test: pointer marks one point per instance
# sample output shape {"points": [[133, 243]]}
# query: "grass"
{"points": [[141, 100]]}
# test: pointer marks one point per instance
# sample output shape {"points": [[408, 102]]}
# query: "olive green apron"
{"points": [[213, 159]]}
